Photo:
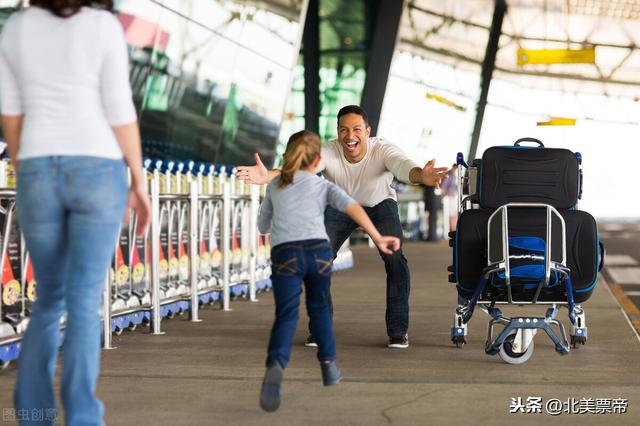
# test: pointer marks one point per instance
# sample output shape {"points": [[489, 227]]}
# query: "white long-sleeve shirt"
{"points": [[369, 180], [70, 79]]}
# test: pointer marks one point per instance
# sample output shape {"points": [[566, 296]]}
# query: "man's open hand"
{"points": [[431, 175], [257, 174]]}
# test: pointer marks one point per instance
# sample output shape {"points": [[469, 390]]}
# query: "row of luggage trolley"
{"points": [[179, 264], [202, 249]]}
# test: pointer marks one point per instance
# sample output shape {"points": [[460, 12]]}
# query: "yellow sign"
{"points": [[558, 121], [556, 56], [445, 101]]}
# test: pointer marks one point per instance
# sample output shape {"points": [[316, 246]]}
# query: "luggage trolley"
{"points": [[139, 258], [209, 256], [521, 241], [172, 290], [12, 301], [172, 217], [184, 263], [240, 252], [126, 310], [18, 284], [263, 253]]}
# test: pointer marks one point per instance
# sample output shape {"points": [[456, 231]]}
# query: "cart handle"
{"points": [[460, 160]]}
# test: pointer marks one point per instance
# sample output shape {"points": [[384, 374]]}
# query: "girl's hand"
{"points": [[387, 244]]}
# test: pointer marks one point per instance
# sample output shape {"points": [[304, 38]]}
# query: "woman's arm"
{"points": [[10, 95], [128, 137], [120, 113], [12, 129]]}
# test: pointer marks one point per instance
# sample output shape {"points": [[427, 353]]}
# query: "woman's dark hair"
{"points": [[353, 109], [67, 8]]}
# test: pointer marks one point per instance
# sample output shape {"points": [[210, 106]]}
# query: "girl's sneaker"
{"points": [[270, 392], [331, 375]]}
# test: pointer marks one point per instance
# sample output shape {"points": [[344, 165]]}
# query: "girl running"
{"points": [[293, 211]]}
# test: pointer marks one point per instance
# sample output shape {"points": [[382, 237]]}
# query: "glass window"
{"points": [[209, 77]]}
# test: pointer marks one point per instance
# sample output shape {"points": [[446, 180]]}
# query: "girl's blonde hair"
{"points": [[302, 150]]}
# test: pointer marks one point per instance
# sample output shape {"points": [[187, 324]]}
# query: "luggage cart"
{"points": [[209, 278], [515, 253], [13, 316], [239, 278]]}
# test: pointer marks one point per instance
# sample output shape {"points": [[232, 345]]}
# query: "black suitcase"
{"points": [[583, 251], [529, 174]]}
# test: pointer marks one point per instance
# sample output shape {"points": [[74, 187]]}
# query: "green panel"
{"points": [[344, 48]]}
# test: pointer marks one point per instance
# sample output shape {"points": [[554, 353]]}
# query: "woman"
{"points": [[69, 121]]}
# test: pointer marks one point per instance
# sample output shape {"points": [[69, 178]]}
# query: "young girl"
{"points": [[293, 211]]}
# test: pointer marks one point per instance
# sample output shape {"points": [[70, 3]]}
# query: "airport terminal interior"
{"points": [[532, 241]]}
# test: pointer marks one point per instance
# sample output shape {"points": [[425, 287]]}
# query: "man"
{"points": [[364, 167]]}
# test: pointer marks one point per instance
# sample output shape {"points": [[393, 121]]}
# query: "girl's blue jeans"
{"points": [[69, 209], [293, 264]]}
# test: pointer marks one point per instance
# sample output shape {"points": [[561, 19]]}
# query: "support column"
{"points": [[383, 43], [488, 65], [311, 58]]}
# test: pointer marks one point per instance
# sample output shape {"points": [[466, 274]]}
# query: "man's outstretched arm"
{"points": [[257, 174], [406, 170]]}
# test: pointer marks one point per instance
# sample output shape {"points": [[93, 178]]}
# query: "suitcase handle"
{"points": [[602, 256], [541, 145]]}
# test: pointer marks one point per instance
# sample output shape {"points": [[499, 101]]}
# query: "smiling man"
{"points": [[364, 167]]}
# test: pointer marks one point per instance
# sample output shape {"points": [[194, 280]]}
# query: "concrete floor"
{"points": [[210, 373]]}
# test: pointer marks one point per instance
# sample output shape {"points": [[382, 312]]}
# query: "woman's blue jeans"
{"points": [[69, 209], [293, 263]]}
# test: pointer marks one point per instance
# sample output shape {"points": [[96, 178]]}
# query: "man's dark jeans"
{"points": [[385, 217]]}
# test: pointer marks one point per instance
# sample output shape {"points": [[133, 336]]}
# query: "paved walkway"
{"points": [[210, 373]]}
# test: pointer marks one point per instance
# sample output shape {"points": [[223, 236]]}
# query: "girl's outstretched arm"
{"points": [[385, 244]]}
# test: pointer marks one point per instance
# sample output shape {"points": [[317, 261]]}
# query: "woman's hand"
{"points": [[387, 244], [139, 202]]}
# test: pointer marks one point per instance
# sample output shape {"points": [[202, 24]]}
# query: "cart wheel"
{"points": [[459, 341], [132, 327], [117, 331], [509, 356], [577, 340], [4, 365]]}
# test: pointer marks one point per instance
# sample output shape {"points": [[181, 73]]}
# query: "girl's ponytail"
{"points": [[302, 150]]}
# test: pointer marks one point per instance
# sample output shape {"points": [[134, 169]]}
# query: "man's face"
{"points": [[352, 134]]}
